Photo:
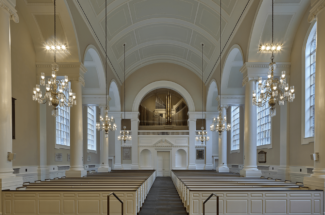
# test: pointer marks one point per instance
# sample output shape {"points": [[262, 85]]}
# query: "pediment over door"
{"points": [[163, 143]]}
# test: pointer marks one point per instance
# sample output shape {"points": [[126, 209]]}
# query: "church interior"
{"points": [[152, 107]]}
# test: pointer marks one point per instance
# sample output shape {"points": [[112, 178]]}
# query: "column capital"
{"points": [[9, 5], [192, 116], [116, 115], [229, 100], [74, 70], [99, 100], [253, 70], [211, 115], [316, 7]]}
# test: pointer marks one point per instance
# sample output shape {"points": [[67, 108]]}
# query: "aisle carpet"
{"points": [[163, 199]]}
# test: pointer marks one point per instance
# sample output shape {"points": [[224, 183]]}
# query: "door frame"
{"points": [[170, 158]]}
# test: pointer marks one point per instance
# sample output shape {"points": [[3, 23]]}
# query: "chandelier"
{"points": [[124, 135], [106, 123], [58, 92], [219, 123], [273, 90], [202, 135]]}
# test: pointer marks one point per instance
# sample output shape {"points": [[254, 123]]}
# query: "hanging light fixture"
{"points": [[202, 135], [57, 90], [273, 90], [106, 123], [219, 123], [124, 135]]}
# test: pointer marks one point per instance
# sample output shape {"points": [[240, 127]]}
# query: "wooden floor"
{"points": [[163, 199]]}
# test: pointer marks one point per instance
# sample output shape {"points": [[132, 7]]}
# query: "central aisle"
{"points": [[163, 199]]}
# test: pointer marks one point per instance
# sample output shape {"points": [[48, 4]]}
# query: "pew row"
{"points": [[238, 195], [80, 195]]}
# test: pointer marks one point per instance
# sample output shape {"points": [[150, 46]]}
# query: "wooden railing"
{"points": [[108, 213], [208, 200]]}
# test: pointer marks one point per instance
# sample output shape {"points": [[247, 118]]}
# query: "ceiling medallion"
{"points": [[58, 92], [106, 123], [273, 90]]}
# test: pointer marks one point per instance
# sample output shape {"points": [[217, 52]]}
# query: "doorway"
{"points": [[163, 164]]}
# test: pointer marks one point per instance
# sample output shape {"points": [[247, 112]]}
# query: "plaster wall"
{"points": [[167, 72], [23, 80]]}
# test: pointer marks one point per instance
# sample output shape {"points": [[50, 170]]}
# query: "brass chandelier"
{"points": [[273, 90], [124, 135], [106, 123], [219, 123], [57, 90], [202, 135]]}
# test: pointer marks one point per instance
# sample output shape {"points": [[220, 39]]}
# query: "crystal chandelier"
{"points": [[273, 90], [124, 135], [57, 90], [202, 135], [219, 123], [106, 123]]}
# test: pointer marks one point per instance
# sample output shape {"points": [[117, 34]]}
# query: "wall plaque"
{"points": [[88, 158], [126, 153], [261, 157], [58, 157], [200, 154]]}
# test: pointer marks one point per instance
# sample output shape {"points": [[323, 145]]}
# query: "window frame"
{"points": [[266, 106], [232, 127], [95, 131], [58, 145], [305, 138]]}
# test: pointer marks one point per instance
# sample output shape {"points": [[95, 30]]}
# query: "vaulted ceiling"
{"points": [[162, 30]]}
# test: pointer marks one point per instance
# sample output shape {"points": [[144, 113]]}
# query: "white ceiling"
{"points": [[163, 30]]}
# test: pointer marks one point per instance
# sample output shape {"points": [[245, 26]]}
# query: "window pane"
{"points": [[91, 127], [235, 114], [63, 123]]}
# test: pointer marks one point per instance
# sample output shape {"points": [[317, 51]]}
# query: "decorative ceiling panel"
{"points": [[130, 41], [178, 9], [196, 60], [227, 5], [99, 5], [163, 49], [198, 39], [130, 59], [117, 20], [281, 24], [209, 21], [163, 31]]}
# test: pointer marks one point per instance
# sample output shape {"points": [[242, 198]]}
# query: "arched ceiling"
{"points": [[162, 30], [287, 16]]}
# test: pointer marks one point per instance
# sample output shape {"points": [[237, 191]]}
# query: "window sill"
{"points": [[307, 140], [235, 151], [92, 151], [58, 146], [268, 146]]}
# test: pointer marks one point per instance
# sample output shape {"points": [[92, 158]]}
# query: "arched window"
{"points": [[63, 123], [235, 127], [91, 128], [310, 67], [263, 123]]}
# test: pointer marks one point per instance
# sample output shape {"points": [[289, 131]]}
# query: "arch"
{"points": [[163, 84], [212, 103], [114, 94], [95, 77], [231, 71], [145, 159], [181, 160]]}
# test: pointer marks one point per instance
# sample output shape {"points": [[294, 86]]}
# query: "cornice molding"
{"points": [[9, 6], [317, 6]]}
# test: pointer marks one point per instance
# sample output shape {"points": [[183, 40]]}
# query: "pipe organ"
{"points": [[168, 108]]}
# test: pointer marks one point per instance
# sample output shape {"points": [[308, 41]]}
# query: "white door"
{"points": [[163, 164]]}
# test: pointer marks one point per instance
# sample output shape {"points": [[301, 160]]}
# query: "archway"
{"points": [[114, 94], [163, 84], [212, 103], [145, 159]]}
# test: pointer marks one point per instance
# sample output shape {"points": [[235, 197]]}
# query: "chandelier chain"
{"points": [[54, 30], [106, 52]]}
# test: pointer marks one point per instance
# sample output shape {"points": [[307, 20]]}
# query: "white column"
{"points": [[76, 135], [9, 180], [134, 133], [191, 141], [118, 164], [208, 120], [222, 142], [104, 147], [250, 149], [284, 170], [43, 171], [317, 179]]}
